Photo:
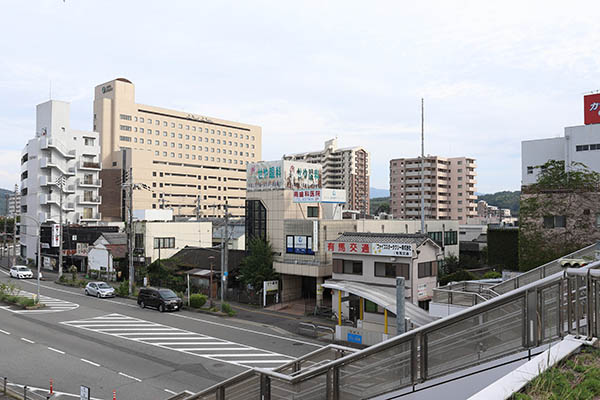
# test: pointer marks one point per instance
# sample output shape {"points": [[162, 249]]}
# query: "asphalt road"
{"points": [[112, 344]]}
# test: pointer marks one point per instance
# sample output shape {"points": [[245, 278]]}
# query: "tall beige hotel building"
{"points": [[182, 161]]}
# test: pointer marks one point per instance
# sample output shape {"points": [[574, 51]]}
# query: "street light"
{"points": [[39, 253]]}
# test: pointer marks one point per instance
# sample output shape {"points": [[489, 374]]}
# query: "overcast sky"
{"points": [[492, 73]]}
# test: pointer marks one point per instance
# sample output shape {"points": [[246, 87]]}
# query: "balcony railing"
{"points": [[89, 182], [90, 165]]}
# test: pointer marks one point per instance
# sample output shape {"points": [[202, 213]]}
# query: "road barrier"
{"points": [[24, 394]]}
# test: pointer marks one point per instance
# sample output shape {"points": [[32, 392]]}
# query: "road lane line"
{"points": [[130, 377], [56, 350], [6, 333], [90, 362], [27, 340], [169, 391]]}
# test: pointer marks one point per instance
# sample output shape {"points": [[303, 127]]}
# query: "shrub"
{"points": [[11, 298], [226, 308], [492, 275], [460, 275], [26, 302], [197, 300], [123, 289], [73, 271]]}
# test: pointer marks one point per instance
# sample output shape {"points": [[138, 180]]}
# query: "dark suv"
{"points": [[161, 299]]}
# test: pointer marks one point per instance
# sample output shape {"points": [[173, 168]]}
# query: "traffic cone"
{"points": [[51, 389], [114, 395]]}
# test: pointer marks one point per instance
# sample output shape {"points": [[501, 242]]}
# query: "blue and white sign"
{"points": [[354, 338]]}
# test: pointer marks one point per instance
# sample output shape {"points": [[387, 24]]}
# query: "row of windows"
{"points": [[199, 158], [385, 270], [188, 137], [450, 237], [181, 146], [586, 147], [164, 243], [188, 127]]}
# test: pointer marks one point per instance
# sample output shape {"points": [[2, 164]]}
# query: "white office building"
{"points": [[56, 157], [580, 144]]}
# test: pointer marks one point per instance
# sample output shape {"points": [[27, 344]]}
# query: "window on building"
{"points": [[555, 221], [450, 238], [256, 219], [125, 138], [164, 243], [373, 308], [139, 240], [312, 212], [385, 270], [428, 268], [352, 267], [529, 170], [125, 117], [125, 128], [88, 141]]}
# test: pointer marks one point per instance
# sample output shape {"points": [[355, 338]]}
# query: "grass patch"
{"points": [[577, 378]]}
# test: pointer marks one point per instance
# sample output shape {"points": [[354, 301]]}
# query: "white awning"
{"points": [[382, 296]]}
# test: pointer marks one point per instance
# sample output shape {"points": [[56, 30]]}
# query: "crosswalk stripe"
{"points": [[176, 339], [52, 304]]}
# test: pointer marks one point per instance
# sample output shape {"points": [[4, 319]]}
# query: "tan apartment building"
{"points": [[449, 188], [346, 169], [186, 162]]}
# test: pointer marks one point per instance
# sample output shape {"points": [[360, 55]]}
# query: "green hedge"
{"points": [[197, 300]]}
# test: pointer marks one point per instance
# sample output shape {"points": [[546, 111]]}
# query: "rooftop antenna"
{"points": [[422, 167]]}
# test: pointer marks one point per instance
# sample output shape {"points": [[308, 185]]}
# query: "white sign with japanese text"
{"points": [[392, 249]]}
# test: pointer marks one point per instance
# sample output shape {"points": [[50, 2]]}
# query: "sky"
{"points": [[491, 73]]}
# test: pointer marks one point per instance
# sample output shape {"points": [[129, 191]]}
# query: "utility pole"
{"points": [[131, 269], [60, 182], [422, 168], [4, 235], [15, 226], [225, 242]]}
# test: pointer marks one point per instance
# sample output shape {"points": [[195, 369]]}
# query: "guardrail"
{"points": [[22, 393], [567, 302]]}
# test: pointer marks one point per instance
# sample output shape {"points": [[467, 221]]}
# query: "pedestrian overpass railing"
{"points": [[567, 302]]}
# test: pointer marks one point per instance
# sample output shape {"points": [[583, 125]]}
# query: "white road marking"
{"points": [[182, 341], [27, 340], [169, 391], [90, 362], [181, 316], [130, 377], [245, 330], [6, 333], [52, 305], [56, 350]]}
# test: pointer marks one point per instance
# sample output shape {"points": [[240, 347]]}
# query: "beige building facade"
{"points": [[343, 168], [186, 162], [450, 187]]}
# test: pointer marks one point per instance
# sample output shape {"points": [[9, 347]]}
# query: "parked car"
{"points": [[21, 272], [161, 299], [573, 262], [99, 289]]}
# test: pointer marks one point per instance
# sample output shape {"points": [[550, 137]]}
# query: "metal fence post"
{"points": [[24, 392], [265, 387], [220, 393], [5, 379]]}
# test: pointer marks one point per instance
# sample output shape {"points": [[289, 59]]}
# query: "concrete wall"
{"points": [[189, 233]]}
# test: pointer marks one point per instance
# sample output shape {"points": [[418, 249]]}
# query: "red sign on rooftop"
{"points": [[591, 109]]}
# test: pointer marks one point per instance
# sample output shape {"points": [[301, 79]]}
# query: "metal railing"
{"points": [[21, 391], [541, 312], [471, 293]]}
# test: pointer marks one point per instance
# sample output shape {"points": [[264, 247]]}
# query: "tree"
{"points": [[450, 265], [258, 265]]}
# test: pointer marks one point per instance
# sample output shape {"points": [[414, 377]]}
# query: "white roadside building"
{"points": [[56, 157]]}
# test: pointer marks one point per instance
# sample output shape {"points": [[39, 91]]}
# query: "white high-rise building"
{"points": [[58, 156]]}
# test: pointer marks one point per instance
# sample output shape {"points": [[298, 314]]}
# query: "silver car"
{"points": [[21, 272], [99, 289]]}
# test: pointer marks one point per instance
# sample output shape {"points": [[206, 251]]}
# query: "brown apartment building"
{"points": [[449, 188], [345, 168], [187, 162]]}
